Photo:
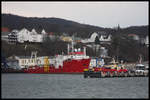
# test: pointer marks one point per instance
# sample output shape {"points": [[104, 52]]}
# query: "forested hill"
{"points": [[142, 31], [58, 25]]}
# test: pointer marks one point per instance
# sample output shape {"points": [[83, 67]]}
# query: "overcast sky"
{"points": [[103, 14]]}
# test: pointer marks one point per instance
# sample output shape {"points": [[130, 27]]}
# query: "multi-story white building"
{"points": [[25, 35], [12, 37]]}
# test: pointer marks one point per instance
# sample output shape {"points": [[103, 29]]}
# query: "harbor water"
{"points": [[72, 86]]}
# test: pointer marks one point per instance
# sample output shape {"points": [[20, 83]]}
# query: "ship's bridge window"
{"points": [[32, 60], [40, 61], [71, 56], [22, 61], [140, 67]]}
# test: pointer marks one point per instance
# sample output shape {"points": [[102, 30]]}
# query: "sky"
{"points": [[102, 14]]}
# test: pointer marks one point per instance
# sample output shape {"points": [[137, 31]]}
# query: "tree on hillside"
{"points": [[124, 47], [97, 41]]}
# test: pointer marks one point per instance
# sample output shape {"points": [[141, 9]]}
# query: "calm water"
{"points": [[72, 86]]}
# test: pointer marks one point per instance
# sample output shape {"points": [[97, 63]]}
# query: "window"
{"points": [[22, 62], [140, 67], [25, 61]]}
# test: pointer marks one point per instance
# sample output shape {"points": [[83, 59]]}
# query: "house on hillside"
{"points": [[103, 38], [4, 33], [103, 52], [147, 41], [140, 39], [5, 29], [4, 36], [50, 35], [134, 37], [91, 39], [66, 38], [35, 37], [12, 37], [25, 35], [43, 32]]}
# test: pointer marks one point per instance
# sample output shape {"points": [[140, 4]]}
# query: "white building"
{"points": [[147, 41], [43, 32], [105, 38], [102, 38], [35, 37], [25, 35], [12, 37], [134, 37], [91, 39], [103, 52]]}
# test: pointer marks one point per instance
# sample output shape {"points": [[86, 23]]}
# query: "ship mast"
{"points": [[68, 48], [140, 58], [84, 50], [72, 46], [72, 43], [34, 56]]}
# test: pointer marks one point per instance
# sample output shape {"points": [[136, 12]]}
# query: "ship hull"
{"points": [[69, 67], [11, 70]]}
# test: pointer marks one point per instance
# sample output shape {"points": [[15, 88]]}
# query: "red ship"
{"points": [[74, 62]]}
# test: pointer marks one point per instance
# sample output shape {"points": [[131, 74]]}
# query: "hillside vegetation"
{"points": [[122, 46]]}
